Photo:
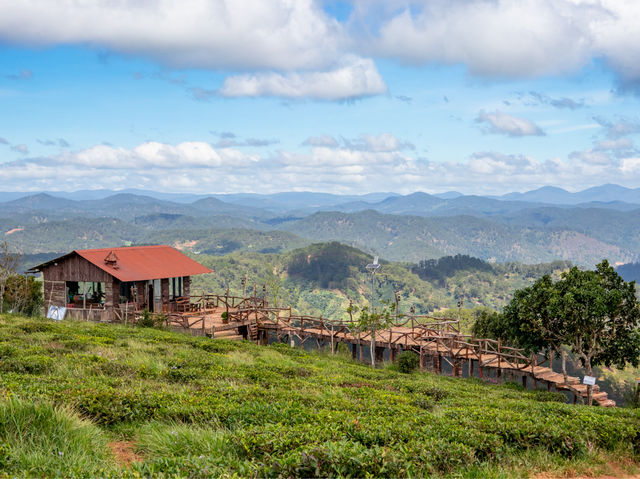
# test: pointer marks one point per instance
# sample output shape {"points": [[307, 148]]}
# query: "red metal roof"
{"points": [[141, 263]]}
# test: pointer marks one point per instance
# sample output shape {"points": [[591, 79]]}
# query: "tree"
{"points": [[373, 321], [23, 294], [594, 313], [8, 266]]}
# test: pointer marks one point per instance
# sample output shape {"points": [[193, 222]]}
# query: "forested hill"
{"points": [[321, 278], [413, 238], [400, 228]]}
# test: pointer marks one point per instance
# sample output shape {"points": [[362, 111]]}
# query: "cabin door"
{"points": [[150, 298]]}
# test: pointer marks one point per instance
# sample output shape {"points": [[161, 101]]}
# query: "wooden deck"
{"points": [[438, 342]]}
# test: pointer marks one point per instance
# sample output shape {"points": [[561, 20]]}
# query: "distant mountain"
{"points": [[211, 205], [604, 193], [412, 238], [39, 202], [448, 195], [424, 204], [299, 201]]}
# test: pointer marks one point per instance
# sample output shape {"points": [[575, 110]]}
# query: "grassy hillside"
{"points": [[86, 400]]}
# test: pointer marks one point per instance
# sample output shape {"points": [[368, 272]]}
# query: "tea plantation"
{"points": [[86, 400]]}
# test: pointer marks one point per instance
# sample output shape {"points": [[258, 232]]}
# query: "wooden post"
{"points": [[524, 381], [354, 351], [333, 351], [470, 367], [439, 364], [421, 359]]}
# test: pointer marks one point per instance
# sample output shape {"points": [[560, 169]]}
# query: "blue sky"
{"points": [[478, 96]]}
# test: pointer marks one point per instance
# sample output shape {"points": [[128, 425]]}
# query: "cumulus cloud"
{"points": [[61, 142], [606, 152], [512, 38], [269, 34], [229, 142], [324, 140], [352, 78], [199, 167], [561, 103], [289, 44], [502, 123], [516, 38], [385, 142], [622, 126], [22, 148]]}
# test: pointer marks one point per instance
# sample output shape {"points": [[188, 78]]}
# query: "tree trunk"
{"points": [[2, 286], [589, 386], [564, 365], [373, 347]]}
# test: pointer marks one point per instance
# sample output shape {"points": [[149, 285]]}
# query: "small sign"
{"points": [[56, 312], [589, 380], [637, 380]]}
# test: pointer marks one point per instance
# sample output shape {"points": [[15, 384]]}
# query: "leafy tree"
{"points": [[8, 266], [373, 321], [23, 294], [594, 313]]}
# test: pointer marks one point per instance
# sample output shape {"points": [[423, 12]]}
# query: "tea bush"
{"points": [[408, 362], [196, 407]]}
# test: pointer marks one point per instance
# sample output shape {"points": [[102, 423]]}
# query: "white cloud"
{"points": [[278, 34], [502, 123], [22, 148], [298, 45], [324, 140], [198, 167], [386, 142], [352, 78], [517, 38], [513, 38]]}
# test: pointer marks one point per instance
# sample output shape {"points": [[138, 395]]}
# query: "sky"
{"points": [[229, 96]]}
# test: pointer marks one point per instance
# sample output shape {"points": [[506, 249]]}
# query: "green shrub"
{"points": [[408, 362], [33, 364]]}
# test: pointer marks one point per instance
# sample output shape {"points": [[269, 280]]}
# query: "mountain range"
{"points": [[536, 226]]}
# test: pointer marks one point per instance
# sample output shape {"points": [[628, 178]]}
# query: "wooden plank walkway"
{"points": [[431, 338]]}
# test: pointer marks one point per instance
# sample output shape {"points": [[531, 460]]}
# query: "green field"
{"points": [[85, 400]]}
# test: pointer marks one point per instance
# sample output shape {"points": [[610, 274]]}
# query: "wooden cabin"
{"points": [[112, 283]]}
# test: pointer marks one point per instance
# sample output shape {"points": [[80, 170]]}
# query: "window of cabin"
{"points": [[85, 293], [128, 292], [176, 288]]}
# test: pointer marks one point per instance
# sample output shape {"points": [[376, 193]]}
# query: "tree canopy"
{"points": [[594, 313]]}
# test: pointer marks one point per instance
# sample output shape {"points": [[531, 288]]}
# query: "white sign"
{"points": [[589, 380], [56, 312]]}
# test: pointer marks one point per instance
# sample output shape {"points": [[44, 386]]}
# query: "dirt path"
{"points": [[124, 452]]}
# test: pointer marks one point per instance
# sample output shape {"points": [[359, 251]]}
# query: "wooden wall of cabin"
{"points": [[164, 290], [74, 268], [55, 293], [186, 286]]}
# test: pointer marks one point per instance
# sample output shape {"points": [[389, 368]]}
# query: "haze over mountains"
{"points": [[536, 226]]}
